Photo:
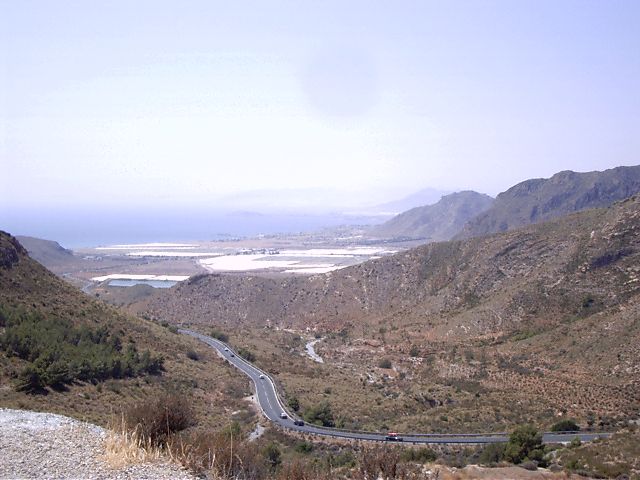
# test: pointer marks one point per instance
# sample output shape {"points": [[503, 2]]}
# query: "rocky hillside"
{"points": [[438, 222], [542, 199]]}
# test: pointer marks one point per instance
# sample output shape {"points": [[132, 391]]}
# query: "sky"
{"points": [[114, 103]]}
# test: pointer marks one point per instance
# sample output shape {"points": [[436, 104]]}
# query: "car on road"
{"points": [[261, 377], [299, 423], [232, 355], [226, 349], [393, 437], [283, 415]]}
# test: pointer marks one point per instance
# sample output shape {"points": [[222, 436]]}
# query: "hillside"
{"points": [[542, 199], [72, 267], [547, 316], [47, 252], [437, 222], [40, 317], [444, 284]]}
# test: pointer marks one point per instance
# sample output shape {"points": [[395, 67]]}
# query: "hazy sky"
{"points": [[135, 101]]}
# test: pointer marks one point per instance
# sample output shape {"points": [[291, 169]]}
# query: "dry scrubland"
{"points": [[545, 318], [533, 325], [212, 386]]}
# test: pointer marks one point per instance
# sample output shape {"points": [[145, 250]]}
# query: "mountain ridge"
{"points": [[437, 222], [541, 199]]}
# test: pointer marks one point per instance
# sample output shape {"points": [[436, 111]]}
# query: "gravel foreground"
{"points": [[45, 445]]}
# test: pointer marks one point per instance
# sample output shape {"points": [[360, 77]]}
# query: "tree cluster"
{"points": [[320, 414], [58, 353]]}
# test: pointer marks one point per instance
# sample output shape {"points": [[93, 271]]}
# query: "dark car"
{"points": [[393, 437], [299, 423]]}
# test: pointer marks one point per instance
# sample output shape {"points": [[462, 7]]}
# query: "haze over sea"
{"points": [[75, 228]]}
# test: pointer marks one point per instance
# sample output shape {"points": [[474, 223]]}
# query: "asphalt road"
{"points": [[273, 409]]}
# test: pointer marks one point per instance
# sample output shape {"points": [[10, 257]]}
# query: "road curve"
{"points": [[273, 409]]}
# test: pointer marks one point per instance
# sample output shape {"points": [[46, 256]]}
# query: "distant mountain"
{"points": [[47, 252], [427, 196], [437, 222], [372, 202], [541, 199]]}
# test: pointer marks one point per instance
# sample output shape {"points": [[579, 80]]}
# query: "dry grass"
{"points": [[125, 447]]}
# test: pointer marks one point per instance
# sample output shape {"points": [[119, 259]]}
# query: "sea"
{"points": [[92, 227]]}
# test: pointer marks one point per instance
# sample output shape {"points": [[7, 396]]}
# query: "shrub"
{"points": [[232, 431], [320, 415], [219, 455], [223, 337], [156, 420], [273, 455], [567, 425], [304, 447], [193, 355], [524, 442], [380, 462], [342, 459], [384, 363], [492, 453], [170, 327], [246, 354], [303, 471], [573, 464], [293, 403], [29, 380], [419, 455]]}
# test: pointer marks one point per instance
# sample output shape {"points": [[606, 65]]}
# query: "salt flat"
{"points": [[176, 261], [126, 276], [129, 246], [154, 253], [336, 252], [241, 263]]}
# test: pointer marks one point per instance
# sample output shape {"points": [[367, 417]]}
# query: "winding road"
{"points": [[274, 410]]}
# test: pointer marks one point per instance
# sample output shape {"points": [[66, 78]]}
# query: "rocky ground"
{"points": [[44, 445]]}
